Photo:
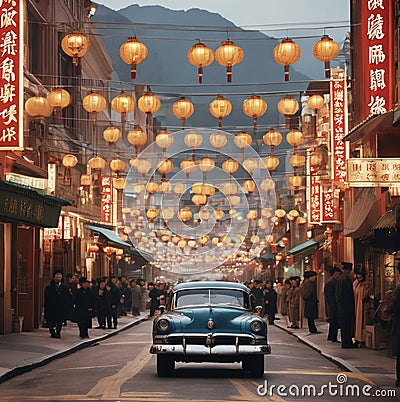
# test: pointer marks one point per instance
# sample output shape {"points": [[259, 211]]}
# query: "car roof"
{"points": [[210, 285]]}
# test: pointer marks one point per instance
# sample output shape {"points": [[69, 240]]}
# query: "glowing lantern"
{"points": [[288, 107], [254, 107], [188, 166], [286, 53], [220, 108], [182, 109], [249, 186], [271, 162], [151, 187], [267, 185], [93, 248], [199, 199], [149, 104], [252, 215], [193, 140], [293, 214], [69, 161], [182, 244], [137, 137], [200, 56], [203, 240], [230, 166], [294, 138], [272, 138], [167, 214], [117, 165], [94, 103], [218, 139], [112, 134], [143, 166], [123, 104], [218, 214], [164, 167], [185, 214], [119, 183], [97, 163], [152, 214], [316, 159], [295, 181], [228, 55], [59, 98], [164, 139], [250, 164], [75, 45], [204, 214], [315, 102], [234, 200], [206, 165], [38, 107], [297, 160], [138, 188], [243, 140], [280, 213], [229, 188], [179, 188], [325, 50], [133, 52]]}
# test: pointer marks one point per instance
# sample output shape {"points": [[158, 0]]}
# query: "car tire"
{"points": [[255, 365], [165, 366]]}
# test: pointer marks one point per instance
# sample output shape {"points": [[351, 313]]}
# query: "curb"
{"points": [[90, 342], [343, 364]]}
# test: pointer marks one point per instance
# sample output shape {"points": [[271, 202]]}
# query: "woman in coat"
{"points": [[293, 298], [84, 306]]}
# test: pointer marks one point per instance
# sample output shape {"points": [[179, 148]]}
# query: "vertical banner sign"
{"points": [[106, 199], [377, 55], [328, 206], [338, 91], [315, 197], [11, 74]]}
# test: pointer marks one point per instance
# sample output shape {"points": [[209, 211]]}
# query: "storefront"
{"points": [[23, 212]]}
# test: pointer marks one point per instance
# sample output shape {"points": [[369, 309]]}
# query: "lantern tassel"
{"points": [[286, 72], [133, 71], [327, 69], [200, 73], [229, 74]]}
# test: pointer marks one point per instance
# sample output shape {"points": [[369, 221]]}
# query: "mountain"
{"points": [[169, 34]]}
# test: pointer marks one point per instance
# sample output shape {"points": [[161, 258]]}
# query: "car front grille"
{"points": [[216, 340]]}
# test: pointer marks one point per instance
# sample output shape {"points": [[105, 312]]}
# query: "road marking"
{"points": [[88, 367], [125, 343], [110, 387]]}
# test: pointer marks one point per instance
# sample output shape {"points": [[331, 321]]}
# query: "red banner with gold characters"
{"points": [[338, 90], [315, 194], [106, 199], [11, 74], [329, 210], [377, 55]]}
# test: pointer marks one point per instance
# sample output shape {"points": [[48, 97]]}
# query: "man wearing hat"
{"points": [[308, 292], [84, 305], [345, 305], [331, 304]]}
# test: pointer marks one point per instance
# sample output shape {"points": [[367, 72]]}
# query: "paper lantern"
{"points": [[38, 107], [228, 55], [220, 108], [243, 140], [254, 107], [59, 98], [133, 52], [75, 45], [218, 139], [112, 134], [200, 56], [325, 50], [286, 53], [182, 109]]}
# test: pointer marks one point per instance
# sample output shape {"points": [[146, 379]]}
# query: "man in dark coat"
{"points": [[154, 301], [331, 303], [102, 307], [55, 304], [394, 308], [345, 304], [114, 300], [257, 296], [308, 292], [270, 298], [84, 305]]}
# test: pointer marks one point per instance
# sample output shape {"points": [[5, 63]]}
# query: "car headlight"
{"points": [[256, 325], [163, 325]]}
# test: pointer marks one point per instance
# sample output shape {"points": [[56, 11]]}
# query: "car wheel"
{"points": [[255, 365], [165, 366]]}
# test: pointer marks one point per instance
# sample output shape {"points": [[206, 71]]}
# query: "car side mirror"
{"points": [[162, 309]]}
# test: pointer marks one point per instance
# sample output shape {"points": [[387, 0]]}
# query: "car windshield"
{"points": [[213, 297]]}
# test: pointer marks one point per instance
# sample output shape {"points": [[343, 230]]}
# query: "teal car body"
{"points": [[210, 322]]}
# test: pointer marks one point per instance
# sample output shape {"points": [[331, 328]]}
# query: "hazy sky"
{"points": [[257, 12]]}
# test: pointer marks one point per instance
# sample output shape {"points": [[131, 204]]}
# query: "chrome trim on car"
{"points": [[215, 350]]}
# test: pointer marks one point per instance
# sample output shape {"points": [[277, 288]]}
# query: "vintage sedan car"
{"points": [[210, 322]]}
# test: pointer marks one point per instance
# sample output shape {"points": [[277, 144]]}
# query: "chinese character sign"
{"points": [[329, 210], [314, 197], [377, 55], [338, 90], [106, 199], [373, 172], [11, 73]]}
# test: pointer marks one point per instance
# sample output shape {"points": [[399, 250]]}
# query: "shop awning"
{"points": [[22, 204], [304, 249], [266, 257], [363, 215], [388, 220], [109, 236]]}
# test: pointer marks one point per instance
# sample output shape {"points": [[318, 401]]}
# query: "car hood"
{"points": [[196, 319]]}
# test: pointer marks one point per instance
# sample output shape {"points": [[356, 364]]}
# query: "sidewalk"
{"points": [[360, 361], [27, 350]]}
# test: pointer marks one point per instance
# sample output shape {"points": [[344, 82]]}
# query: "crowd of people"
{"points": [[80, 300]]}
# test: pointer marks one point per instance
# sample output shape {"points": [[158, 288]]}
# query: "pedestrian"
{"points": [[282, 291], [270, 299], [361, 292], [331, 303], [308, 292], [126, 296], [55, 304], [394, 308], [136, 297], [257, 296], [293, 297], [102, 307], [84, 307], [72, 288], [154, 301], [345, 304], [114, 300]]}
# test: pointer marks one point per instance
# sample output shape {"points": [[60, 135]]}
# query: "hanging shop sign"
{"points": [[314, 197], [328, 208], [377, 55], [373, 172], [11, 75], [338, 90], [106, 199]]}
